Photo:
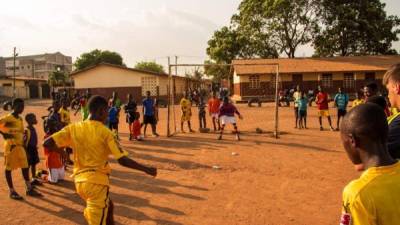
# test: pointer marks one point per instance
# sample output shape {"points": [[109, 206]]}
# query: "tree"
{"points": [[224, 46], [355, 27], [98, 56], [57, 78], [217, 72], [150, 66]]}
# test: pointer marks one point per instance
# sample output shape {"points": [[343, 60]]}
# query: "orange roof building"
{"points": [[350, 73]]}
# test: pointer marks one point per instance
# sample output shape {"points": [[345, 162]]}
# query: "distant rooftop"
{"points": [[317, 65]]}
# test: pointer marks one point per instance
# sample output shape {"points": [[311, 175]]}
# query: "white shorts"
{"points": [[56, 175], [214, 115], [227, 120]]}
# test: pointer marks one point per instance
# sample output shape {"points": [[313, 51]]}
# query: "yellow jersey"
{"points": [[12, 125], [186, 105], [92, 142], [357, 102], [64, 116], [373, 199]]}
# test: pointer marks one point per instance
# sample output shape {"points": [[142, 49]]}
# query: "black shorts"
{"points": [[296, 111], [341, 112], [302, 113], [149, 120], [113, 126], [32, 155]]}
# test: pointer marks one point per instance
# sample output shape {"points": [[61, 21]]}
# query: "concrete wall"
{"points": [[107, 77]]}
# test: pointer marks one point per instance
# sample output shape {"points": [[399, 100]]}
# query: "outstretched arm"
{"points": [[129, 163]]}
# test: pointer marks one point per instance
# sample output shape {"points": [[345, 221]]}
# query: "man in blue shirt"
{"points": [[341, 101], [148, 114]]}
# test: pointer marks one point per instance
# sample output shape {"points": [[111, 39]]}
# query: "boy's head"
{"points": [[137, 115], [340, 90], [364, 131], [129, 97], [358, 95], [65, 104], [56, 106], [98, 108], [379, 100], [391, 80], [370, 89], [148, 94], [298, 88], [320, 89], [226, 100], [18, 105], [30, 118]]}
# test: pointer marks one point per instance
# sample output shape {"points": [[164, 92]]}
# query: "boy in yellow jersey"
{"points": [[358, 101], [373, 199], [93, 142], [12, 128], [186, 108], [65, 119]]}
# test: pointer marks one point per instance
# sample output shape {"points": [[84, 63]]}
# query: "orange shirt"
{"points": [[213, 105], [53, 159]]}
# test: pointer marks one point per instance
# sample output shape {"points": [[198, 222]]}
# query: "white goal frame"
{"points": [[171, 99]]}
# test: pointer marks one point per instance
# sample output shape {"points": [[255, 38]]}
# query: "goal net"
{"points": [[252, 87]]}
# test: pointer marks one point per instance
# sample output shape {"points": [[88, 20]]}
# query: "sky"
{"points": [[137, 29]]}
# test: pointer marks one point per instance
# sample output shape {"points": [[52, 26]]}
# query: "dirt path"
{"points": [[297, 179]]}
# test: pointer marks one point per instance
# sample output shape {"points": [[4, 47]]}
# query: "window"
{"points": [[348, 80], [254, 81], [149, 84], [326, 80], [29, 67]]}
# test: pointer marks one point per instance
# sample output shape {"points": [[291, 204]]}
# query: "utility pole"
{"points": [[169, 97], [14, 56]]}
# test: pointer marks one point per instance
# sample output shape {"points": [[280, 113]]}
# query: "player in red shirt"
{"points": [[322, 101]]}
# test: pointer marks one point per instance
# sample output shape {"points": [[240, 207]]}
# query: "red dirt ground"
{"points": [[296, 179]]}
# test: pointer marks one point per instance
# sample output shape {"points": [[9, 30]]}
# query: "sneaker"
{"points": [[219, 137], [332, 129], [36, 182], [337, 129], [156, 135], [321, 128], [33, 193], [237, 138], [191, 131], [14, 195]]}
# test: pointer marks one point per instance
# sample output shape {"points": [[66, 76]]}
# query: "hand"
{"points": [[152, 171]]}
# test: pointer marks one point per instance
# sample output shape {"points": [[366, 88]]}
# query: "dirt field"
{"points": [[296, 179]]}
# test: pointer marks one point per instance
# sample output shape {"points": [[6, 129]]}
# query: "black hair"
{"points": [[379, 100], [17, 101], [373, 86], [366, 122], [96, 102], [29, 117]]}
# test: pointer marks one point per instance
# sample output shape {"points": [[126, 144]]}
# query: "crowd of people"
{"points": [[370, 134]]}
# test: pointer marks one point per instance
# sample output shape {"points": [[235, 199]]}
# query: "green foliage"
{"points": [[150, 66], [57, 78], [217, 72], [355, 27], [98, 56]]}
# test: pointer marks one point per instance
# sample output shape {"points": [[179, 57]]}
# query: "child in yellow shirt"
{"points": [[373, 199], [92, 143], [12, 128]]}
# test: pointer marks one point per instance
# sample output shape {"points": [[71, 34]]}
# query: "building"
{"points": [[104, 78], [35, 66], [25, 87], [350, 73]]}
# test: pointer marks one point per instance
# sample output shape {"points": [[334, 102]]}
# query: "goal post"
{"points": [[171, 91]]}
